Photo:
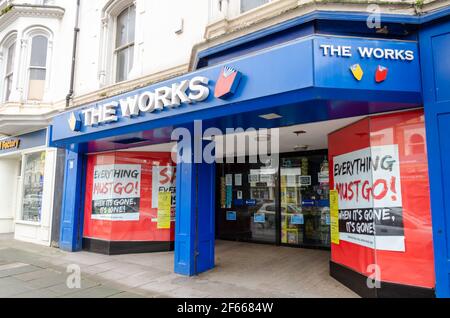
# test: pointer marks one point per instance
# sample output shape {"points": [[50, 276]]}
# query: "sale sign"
{"points": [[370, 198], [116, 192], [163, 180]]}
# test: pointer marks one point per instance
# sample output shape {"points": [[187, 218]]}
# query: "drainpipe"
{"points": [[76, 31]]}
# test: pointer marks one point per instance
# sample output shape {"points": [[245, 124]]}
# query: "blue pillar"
{"points": [[435, 49], [72, 206], [195, 222]]}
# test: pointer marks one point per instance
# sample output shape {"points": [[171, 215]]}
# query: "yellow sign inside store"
{"points": [[334, 214]]}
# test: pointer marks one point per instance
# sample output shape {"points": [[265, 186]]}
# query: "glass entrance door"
{"points": [[304, 196], [287, 204], [263, 192], [247, 203]]}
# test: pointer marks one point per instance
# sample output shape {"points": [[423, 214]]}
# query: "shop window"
{"points": [[33, 185], [381, 211], [125, 35], [247, 5], [130, 197], [37, 71]]}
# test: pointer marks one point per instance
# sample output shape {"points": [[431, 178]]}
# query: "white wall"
{"points": [[157, 46], [9, 170]]}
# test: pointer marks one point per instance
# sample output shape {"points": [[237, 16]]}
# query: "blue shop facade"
{"points": [[320, 67]]}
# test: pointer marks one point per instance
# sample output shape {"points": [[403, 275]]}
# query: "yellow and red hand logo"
{"points": [[380, 74], [357, 71]]}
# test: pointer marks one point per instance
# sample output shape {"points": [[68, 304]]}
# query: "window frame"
{"points": [[107, 61], [8, 79], [10, 40], [125, 47], [20, 202], [255, 8], [30, 67]]}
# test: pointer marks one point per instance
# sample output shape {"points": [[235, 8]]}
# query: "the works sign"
{"points": [[186, 92]]}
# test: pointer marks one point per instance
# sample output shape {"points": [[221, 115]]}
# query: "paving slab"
{"points": [[37, 274], [18, 271], [10, 286], [41, 293], [94, 292], [62, 289], [126, 295]]}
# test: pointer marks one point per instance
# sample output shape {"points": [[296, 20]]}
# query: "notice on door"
{"points": [[116, 192], [370, 198]]}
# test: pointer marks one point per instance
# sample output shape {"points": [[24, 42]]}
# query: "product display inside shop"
{"points": [[33, 186]]}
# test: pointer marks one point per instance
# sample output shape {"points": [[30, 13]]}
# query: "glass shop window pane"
{"points": [[305, 210], [122, 65], [130, 58], [132, 24], [37, 84], [10, 59], [126, 22], [247, 5], [9, 83], [122, 29], [39, 51], [33, 185]]}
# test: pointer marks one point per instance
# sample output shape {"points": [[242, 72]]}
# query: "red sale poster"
{"points": [[370, 199], [116, 192], [121, 201], [381, 175]]}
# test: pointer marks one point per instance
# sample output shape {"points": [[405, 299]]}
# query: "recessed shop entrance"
{"points": [[285, 202]]}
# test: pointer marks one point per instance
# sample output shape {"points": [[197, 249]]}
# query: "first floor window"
{"points": [[37, 68], [9, 72], [247, 5], [125, 35], [33, 185]]}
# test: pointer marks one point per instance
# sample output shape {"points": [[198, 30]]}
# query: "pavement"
{"points": [[243, 271]]}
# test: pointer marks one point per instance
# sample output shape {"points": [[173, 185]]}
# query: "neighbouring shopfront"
{"points": [[27, 174], [365, 195]]}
